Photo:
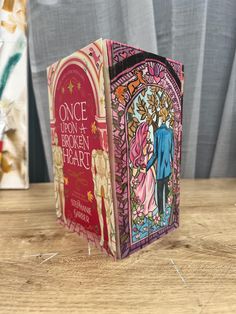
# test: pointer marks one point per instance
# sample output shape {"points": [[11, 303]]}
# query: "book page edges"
{"points": [[110, 139]]}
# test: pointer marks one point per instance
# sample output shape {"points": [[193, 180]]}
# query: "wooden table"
{"points": [[46, 269]]}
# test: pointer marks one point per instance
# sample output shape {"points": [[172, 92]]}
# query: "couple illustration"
{"points": [[152, 165]]}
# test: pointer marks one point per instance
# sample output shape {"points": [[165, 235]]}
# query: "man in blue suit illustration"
{"points": [[163, 154]]}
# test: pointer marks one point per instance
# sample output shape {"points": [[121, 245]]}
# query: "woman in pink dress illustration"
{"points": [[143, 182]]}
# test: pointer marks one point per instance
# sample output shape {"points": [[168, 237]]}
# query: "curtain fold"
{"points": [[200, 33], [223, 163]]}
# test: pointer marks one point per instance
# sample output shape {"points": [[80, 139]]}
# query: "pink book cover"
{"points": [[116, 130]]}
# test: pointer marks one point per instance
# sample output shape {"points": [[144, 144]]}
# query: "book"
{"points": [[13, 96], [116, 130]]}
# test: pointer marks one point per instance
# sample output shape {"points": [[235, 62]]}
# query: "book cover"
{"points": [[13, 96], [116, 129], [80, 146], [146, 102]]}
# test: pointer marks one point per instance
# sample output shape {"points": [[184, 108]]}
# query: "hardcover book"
{"points": [[116, 130]]}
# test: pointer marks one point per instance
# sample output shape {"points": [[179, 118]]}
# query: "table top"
{"points": [[47, 269]]}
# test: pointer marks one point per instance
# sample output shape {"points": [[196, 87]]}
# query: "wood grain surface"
{"points": [[46, 269]]}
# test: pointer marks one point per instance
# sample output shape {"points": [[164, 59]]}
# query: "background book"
{"points": [[13, 96]]}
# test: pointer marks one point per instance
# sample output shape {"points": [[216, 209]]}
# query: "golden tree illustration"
{"points": [[150, 110]]}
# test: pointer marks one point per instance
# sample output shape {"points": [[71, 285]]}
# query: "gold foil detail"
{"points": [[93, 128], [70, 87], [90, 196]]}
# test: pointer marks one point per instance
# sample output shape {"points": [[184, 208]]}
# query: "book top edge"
{"points": [[100, 41]]}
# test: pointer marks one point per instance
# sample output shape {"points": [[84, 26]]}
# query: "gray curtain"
{"points": [[200, 33]]}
